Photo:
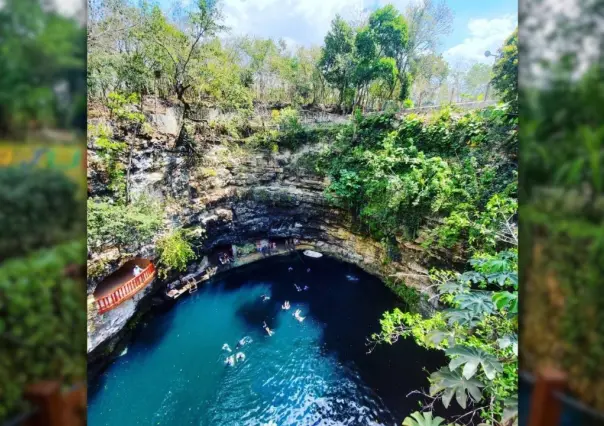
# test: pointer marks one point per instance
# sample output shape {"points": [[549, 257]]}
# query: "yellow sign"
{"points": [[71, 159]]}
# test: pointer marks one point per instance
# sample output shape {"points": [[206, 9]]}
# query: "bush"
{"points": [[122, 225], [42, 323], [175, 252], [40, 207]]}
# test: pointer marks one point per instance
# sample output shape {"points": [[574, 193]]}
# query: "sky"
{"points": [[479, 25]]}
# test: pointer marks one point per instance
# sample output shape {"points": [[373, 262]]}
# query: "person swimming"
{"points": [[240, 356], [308, 270], [298, 316], [306, 288], [244, 341], [265, 297], [297, 287], [290, 269], [230, 360], [226, 347], [286, 305], [268, 330]]}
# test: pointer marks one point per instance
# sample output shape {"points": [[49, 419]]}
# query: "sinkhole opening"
{"points": [[316, 371]]}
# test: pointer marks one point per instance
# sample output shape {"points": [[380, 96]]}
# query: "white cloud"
{"points": [[303, 22], [485, 34]]}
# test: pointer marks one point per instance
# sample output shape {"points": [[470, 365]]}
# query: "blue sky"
{"points": [[479, 25]]}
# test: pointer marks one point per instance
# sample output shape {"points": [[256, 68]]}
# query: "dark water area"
{"points": [[315, 372]]}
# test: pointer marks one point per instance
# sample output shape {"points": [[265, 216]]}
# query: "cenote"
{"points": [[315, 372]]}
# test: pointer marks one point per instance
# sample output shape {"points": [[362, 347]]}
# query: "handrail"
{"points": [[126, 290]]}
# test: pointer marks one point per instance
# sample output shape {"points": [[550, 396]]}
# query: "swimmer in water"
{"points": [[230, 361], [297, 287], [298, 316], [290, 269], [265, 297], [308, 270], [286, 305], [306, 288], [226, 347], [240, 356], [268, 330]]}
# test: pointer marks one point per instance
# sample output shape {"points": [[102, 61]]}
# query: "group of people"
{"points": [[239, 356], [224, 258], [291, 243]]}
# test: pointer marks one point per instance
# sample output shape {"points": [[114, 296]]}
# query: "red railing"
{"points": [[126, 290]]}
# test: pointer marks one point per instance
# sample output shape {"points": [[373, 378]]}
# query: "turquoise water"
{"points": [[314, 372]]}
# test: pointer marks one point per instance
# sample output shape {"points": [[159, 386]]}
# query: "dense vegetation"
{"points": [[27, 196], [377, 62], [561, 214], [42, 322], [42, 58]]}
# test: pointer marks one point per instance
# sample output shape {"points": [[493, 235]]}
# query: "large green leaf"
{"points": [[454, 287], [479, 302], [503, 279], [423, 419], [436, 337], [471, 358], [462, 317], [506, 301], [452, 383]]}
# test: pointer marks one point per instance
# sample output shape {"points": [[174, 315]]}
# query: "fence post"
{"points": [[545, 408], [47, 397]]}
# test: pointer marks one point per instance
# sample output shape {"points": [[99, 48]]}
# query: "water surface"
{"points": [[316, 372]]}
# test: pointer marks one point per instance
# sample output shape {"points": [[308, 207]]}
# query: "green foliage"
{"points": [[118, 105], [505, 71], [478, 335], [41, 207], [423, 419], [395, 175], [40, 49], [175, 252], [121, 226], [42, 323]]}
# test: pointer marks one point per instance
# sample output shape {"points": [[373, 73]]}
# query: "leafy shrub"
{"points": [[175, 252], [118, 107], [479, 333], [40, 207], [122, 225], [408, 103], [42, 323]]}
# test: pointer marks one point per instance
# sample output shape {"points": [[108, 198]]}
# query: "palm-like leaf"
{"points": [[423, 419], [471, 277], [452, 383], [479, 302], [471, 358], [462, 317], [503, 279], [454, 287]]}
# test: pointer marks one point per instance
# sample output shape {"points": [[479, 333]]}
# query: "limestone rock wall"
{"points": [[239, 195]]}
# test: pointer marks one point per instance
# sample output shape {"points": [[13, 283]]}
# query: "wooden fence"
{"points": [[126, 290]]}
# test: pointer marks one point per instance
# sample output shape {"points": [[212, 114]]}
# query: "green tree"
{"points": [[505, 70], [337, 58]]}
